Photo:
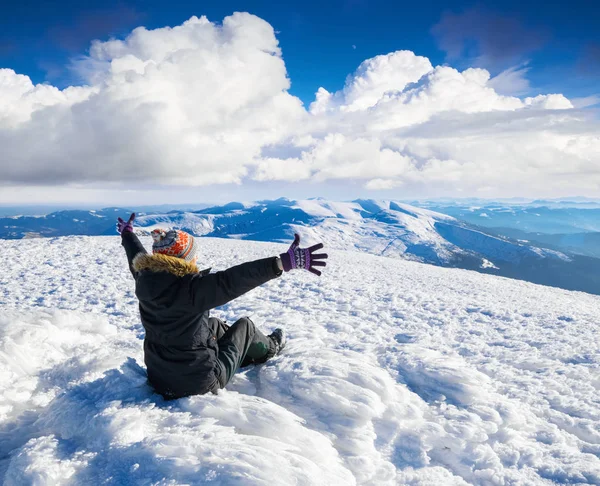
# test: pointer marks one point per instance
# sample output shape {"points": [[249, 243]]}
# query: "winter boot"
{"points": [[278, 339]]}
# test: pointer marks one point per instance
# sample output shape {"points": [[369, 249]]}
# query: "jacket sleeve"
{"points": [[132, 246], [216, 289]]}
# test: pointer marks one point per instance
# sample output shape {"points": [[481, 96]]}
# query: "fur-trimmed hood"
{"points": [[159, 276], [164, 263]]}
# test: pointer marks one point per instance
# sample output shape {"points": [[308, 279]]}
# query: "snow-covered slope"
{"points": [[395, 373]]}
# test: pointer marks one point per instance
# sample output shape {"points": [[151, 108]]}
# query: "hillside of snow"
{"points": [[395, 372]]}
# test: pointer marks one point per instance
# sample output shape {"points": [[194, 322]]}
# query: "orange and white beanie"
{"points": [[175, 243]]}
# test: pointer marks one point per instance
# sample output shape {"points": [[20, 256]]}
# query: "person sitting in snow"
{"points": [[186, 351]]}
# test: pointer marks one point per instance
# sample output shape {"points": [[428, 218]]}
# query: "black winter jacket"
{"points": [[180, 351]]}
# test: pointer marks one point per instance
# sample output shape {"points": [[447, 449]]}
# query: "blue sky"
{"points": [[323, 42]]}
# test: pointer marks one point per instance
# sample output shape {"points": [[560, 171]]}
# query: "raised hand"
{"points": [[304, 258], [125, 226]]}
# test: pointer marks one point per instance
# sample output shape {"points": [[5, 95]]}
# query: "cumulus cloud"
{"points": [[337, 156], [206, 103], [449, 132], [192, 105], [372, 80]]}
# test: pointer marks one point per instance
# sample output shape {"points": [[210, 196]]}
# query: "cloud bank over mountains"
{"points": [[205, 103]]}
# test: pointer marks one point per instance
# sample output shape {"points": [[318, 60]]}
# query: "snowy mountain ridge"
{"points": [[391, 229], [395, 373], [386, 228]]}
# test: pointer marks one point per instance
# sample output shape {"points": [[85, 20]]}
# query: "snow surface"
{"points": [[395, 372]]}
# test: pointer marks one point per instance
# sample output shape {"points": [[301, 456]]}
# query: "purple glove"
{"points": [[303, 257], [125, 226]]}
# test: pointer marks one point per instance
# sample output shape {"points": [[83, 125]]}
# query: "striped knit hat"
{"points": [[175, 243]]}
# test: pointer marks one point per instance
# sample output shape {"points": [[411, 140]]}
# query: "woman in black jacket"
{"points": [[186, 351]]}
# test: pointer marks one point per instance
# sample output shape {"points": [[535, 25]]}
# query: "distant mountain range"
{"points": [[61, 223], [386, 228], [587, 244], [549, 217], [569, 226]]}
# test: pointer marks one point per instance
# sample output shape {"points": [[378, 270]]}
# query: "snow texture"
{"points": [[395, 372]]}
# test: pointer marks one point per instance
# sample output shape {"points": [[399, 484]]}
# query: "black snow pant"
{"points": [[240, 345]]}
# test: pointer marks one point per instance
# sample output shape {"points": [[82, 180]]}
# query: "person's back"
{"points": [[179, 350], [186, 351]]}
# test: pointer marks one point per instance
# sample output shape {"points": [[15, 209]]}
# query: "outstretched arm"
{"points": [[216, 289], [133, 246]]}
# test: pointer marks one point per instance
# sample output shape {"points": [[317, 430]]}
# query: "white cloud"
{"points": [[441, 90], [203, 103], [382, 184], [372, 80], [586, 101], [273, 169], [511, 81], [19, 98], [192, 105], [337, 157], [549, 102]]}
